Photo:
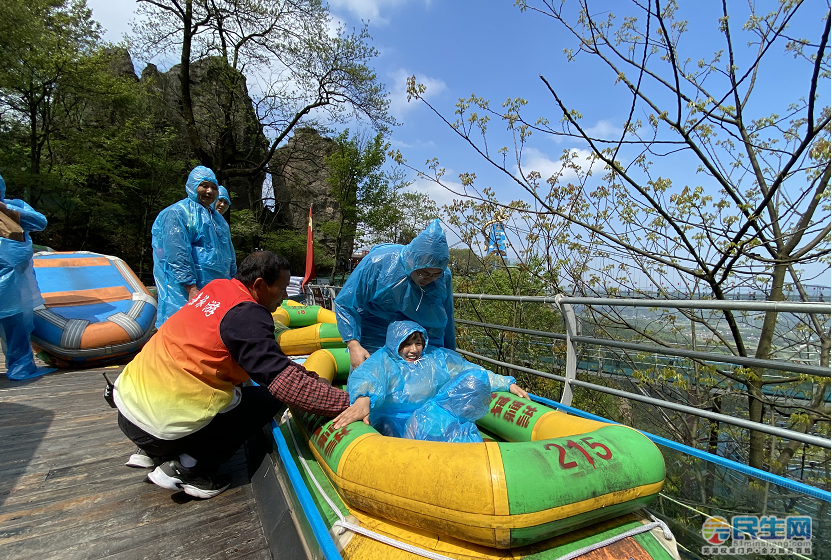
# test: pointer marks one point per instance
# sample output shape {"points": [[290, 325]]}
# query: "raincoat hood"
{"points": [[398, 331], [2, 188], [224, 195], [197, 175], [429, 249], [191, 245]]}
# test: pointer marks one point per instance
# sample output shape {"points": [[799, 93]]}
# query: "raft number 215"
{"points": [[571, 444]]}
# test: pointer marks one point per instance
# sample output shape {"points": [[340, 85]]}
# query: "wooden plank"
{"points": [[65, 492]]}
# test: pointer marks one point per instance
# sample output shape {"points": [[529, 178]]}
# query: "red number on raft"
{"points": [[607, 456], [577, 446], [561, 456]]}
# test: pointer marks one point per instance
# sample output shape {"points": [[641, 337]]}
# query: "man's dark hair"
{"points": [[262, 264]]}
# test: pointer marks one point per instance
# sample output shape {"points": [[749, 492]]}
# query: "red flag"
{"points": [[310, 254]]}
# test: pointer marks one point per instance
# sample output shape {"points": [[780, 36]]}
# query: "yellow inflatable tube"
{"points": [[305, 340], [294, 316]]}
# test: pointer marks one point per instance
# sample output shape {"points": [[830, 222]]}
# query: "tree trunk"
{"points": [[185, 85], [34, 160], [713, 449], [756, 441]]}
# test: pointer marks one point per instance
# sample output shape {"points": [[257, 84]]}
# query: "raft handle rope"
{"points": [[345, 525], [632, 532]]}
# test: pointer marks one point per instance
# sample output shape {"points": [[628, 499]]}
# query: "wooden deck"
{"points": [[65, 492]]}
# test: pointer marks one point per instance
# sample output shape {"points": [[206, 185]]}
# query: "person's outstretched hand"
{"points": [[357, 353], [359, 410], [515, 390]]}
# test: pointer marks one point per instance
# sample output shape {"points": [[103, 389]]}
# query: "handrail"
{"points": [[780, 306], [748, 424], [818, 371], [668, 351], [556, 336]]}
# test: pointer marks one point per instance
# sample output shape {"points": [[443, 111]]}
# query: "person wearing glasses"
{"points": [[398, 283]]}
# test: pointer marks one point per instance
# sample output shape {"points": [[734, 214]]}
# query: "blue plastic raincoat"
{"points": [[223, 196], [380, 291], [191, 245], [450, 415], [20, 292], [398, 389]]}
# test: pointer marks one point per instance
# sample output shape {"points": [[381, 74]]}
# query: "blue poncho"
{"points": [[223, 195], [380, 291], [191, 245], [455, 392], [20, 292]]}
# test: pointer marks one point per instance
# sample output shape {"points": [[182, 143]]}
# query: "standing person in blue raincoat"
{"points": [[396, 283], [19, 289], [413, 390], [191, 245], [223, 201]]}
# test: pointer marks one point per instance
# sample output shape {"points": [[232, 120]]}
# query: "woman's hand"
{"points": [[357, 353], [515, 390], [359, 410]]}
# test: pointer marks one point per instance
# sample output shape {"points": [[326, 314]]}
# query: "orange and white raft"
{"points": [[96, 310]]}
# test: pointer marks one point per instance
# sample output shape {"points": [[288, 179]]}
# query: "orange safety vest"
{"points": [[184, 376]]}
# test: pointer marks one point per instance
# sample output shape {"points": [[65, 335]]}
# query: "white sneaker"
{"points": [[140, 460]]}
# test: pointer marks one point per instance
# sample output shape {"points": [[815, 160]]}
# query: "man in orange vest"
{"points": [[179, 399]]}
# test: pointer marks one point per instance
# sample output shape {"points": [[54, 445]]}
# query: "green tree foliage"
{"points": [[414, 212], [44, 48], [82, 140], [494, 275], [292, 245], [360, 187]]}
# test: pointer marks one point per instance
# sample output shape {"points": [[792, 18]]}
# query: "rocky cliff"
{"points": [[299, 178], [221, 103]]}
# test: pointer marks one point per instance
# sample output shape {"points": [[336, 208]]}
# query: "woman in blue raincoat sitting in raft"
{"points": [[416, 391]]}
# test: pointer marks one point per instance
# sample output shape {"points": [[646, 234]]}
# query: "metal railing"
{"points": [[572, 339], [323, 295]]}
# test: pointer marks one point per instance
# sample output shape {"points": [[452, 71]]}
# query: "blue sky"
{"points": [[488, 47]]}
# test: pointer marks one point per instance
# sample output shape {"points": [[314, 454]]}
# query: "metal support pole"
{"points": [[571, 348]]}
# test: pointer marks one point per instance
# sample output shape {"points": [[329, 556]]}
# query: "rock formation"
{"points": [[216, 87], [299, 178]]}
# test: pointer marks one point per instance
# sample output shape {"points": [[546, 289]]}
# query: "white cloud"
{"points": [[604, 129], [535, 160], [114, 16], [398, 91], [367, 10], [437, 193], [415, 144]]}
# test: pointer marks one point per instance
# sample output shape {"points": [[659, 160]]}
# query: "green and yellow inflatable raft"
{"points": [[551, 476], [308, 328]]}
